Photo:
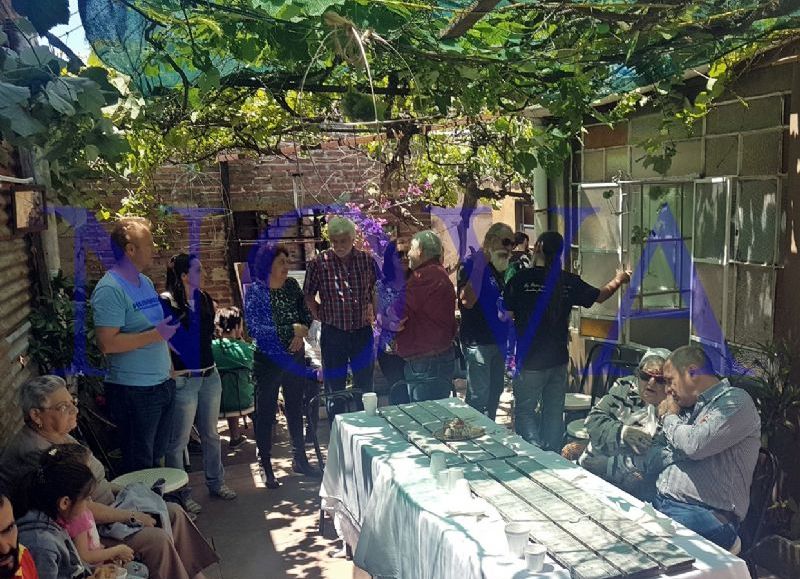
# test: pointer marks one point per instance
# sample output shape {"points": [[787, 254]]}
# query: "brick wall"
{"points": [[264, 185]]}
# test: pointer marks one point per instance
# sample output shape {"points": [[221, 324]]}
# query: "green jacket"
{"points": [[234, 360]]}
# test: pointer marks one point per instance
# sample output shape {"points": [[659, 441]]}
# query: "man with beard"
{"points": [[484, 323], [15, 560]]}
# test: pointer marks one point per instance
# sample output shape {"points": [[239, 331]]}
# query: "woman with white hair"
{"points": [[50, 414], [484, 324], [622, 424]]}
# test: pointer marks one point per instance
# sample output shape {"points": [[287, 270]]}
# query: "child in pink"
{"points": [[82, 528]]}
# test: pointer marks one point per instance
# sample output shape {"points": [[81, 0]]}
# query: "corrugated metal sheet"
{"points": [[15, 307]]}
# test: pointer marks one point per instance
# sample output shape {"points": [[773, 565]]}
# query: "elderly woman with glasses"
{"points": [[50, 414], [622, 425]]}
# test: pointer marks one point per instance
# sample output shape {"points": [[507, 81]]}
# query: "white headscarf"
{"points": [[654, 353]]}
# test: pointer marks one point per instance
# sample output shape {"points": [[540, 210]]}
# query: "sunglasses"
{"points": [[647, 376]]}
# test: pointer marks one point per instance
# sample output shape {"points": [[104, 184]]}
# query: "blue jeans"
{"points": [[143, 415], [548, 386], [430, 377], [198, 396], [700, 519], [486, 364]]}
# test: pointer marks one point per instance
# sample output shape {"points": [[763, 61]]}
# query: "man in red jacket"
{"points": [[15, 560], [426, 335]]}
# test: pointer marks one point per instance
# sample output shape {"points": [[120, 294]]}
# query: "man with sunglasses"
{"points": [[622, 424], [484, 323], [713, 448]]}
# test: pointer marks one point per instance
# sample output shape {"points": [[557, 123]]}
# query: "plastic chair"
{"points": [[579, 402], [762, 491], [398, 393], [348, 400]]}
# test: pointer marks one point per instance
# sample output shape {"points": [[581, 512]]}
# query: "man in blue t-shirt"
{"points": [[132, 332]]}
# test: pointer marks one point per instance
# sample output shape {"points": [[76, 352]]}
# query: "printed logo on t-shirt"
{"points": [[146, 304]]}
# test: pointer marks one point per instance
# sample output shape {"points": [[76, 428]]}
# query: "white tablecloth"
{"points": [[385, 502]]}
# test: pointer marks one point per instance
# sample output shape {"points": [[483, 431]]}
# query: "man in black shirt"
{"points": [[541, 299]]}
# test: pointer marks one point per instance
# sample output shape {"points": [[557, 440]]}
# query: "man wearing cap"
{"points": [[622, 425]]}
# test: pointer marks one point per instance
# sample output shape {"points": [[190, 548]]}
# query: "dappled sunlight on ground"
{"points": [[268, 533]]}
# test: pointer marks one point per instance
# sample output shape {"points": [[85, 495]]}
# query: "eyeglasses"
{"points": [[63, 407], [647, 376], [507, 242]]}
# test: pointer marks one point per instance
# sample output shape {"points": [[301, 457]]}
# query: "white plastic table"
{"points": [[174, 478]]}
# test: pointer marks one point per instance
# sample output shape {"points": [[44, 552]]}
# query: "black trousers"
{"points": [[271, 374]]}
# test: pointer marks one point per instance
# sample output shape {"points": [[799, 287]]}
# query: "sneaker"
{"points": [[192, 506], [736, 548], [234, 442], [224, 492]]}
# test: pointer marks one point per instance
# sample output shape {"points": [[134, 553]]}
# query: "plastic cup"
{"points": [[454, 474], [534, 557], [122, 573], [461, 491], [438, 463], [370, 402], [517, 537]]}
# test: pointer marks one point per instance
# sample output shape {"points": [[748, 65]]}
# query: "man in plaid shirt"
{"points": [[344, 278]]}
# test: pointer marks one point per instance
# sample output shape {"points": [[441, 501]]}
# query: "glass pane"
{"points": [[663, 262], [755, 295], [756, 218], [597, 269], [661, 205], [601, 229], [707, 296], [710, 220]]}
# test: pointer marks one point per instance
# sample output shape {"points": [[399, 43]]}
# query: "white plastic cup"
{"points": [[461, 491], [122, 573], [370, 402], [443, 479], [438, 463], [454, 474], [534, 557], [517, 537]]}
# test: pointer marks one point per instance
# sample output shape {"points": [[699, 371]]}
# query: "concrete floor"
{"points": [[268, 533]]}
